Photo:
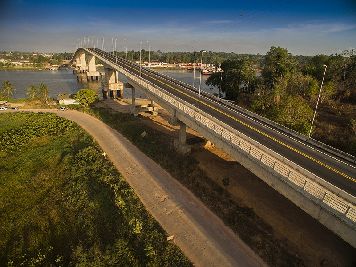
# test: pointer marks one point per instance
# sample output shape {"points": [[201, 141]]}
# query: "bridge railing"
{"points": [[258, 118], [313, 187]]}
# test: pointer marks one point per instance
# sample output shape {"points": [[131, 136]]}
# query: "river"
{"points": [[64, 81]]}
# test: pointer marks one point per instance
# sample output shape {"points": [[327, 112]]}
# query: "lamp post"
{"points": [[102, 44], [115, 49], [194, 73], [140, 56], [112, 45], [125, 48], [149, 54], [201, 69], [317, 102], [220, 87]]}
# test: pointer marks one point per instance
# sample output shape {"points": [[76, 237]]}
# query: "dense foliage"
{"points": [[6, 90], [288, 87], [86, 97], [40, 92], [62, 203]]}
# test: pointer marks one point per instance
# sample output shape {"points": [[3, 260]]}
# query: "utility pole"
{"points": [[317, 102]]}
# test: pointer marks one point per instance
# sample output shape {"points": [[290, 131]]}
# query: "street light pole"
{"points": [[221, 71], [125, 42], [201, 69], [194, 73], [112, 45], [115, 50], [149, 54], [140, 56], [317, 102], [102, 45]]}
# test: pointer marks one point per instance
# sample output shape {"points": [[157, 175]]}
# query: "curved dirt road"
{"points": [[201, 235]]}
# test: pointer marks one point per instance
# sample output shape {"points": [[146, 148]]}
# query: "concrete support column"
{"points": [[83, 63], [133, 100], [182, 137], [105, 93], [180, 144], [112, 83], [91, 63], [92, 73]]}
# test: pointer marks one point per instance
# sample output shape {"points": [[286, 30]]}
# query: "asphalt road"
{"points": [[321, 163]]}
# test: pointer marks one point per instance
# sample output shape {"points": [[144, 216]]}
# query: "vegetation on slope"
{"points": [[62, 203]]}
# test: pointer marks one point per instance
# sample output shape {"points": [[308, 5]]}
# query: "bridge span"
{"points": [[317, 178]]}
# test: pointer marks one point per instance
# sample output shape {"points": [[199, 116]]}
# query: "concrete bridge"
{"points": [[317, 178]]}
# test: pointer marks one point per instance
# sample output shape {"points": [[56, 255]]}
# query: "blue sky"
{"points": [[304, 27]]}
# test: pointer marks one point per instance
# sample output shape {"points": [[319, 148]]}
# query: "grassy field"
{"points": [[62, 203], [249, 227]]}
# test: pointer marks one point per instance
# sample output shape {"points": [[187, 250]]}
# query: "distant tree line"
{"points": [[209, 57]]}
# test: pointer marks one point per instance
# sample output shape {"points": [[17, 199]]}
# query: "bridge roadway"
{"points": [[314, 159]]}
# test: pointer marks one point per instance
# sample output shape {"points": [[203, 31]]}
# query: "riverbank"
{"points": [[22, 68]]}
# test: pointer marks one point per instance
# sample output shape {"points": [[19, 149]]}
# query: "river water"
{"points": [[64, 81]]}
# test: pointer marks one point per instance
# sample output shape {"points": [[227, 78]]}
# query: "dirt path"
{"points": [[201, 235]]}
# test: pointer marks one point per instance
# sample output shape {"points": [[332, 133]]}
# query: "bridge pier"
{"points": [[133, 100], [112, 86], [92, 74], [105, 93], [180, 144]]}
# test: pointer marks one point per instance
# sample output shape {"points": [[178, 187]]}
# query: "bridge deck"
{"points": [[311, 158]]}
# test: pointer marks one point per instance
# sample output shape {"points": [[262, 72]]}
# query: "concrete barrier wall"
{"points": [[330, 205]]}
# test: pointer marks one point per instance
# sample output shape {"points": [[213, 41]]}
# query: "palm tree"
{"points": [[7, 89], [43, 92], [32, 92]]}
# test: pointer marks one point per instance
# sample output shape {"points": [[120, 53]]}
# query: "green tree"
{"points": [[86, 97], [237, 75], [43, 92], [287, 102], [277, 64], [7, 89], [295, 113], [32, 92]]}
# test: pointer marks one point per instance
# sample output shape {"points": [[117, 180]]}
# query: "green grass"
{"points": [[243, 221], [62, 203]]}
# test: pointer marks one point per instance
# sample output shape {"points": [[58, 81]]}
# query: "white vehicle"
{"points": [[3, 108]]}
